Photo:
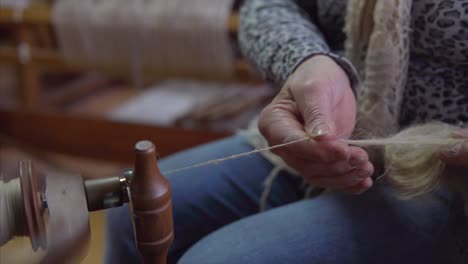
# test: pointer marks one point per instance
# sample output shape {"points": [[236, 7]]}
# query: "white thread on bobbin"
{"points": [[18, 14], [24, 53], [11, 209]]}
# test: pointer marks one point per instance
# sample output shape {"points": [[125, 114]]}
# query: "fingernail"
{"points": [[449, 152], [318, 130], [355, 161], [460, 133], [454, 151], [359, 178]]}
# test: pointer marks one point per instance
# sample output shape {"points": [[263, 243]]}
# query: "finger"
{"points": [[457, 155], [349, 179], [358, 160], [279, 124], [360, 187], [460, 133], [341, 181], [314, 104], [325, 152], [307, 168], [319, 152], [364, 171], [357, 156]]}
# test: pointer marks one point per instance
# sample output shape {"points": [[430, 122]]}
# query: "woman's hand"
{"points": [[457, 156], [317, 101]]}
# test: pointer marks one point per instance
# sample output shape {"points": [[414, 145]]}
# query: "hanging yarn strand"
{"points": [[236, 156], [416, 140]]}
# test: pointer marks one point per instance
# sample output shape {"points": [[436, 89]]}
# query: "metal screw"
{"points": [[44, 201]]}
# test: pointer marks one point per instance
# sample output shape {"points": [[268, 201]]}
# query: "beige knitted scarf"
{"points": [[378, 45]]}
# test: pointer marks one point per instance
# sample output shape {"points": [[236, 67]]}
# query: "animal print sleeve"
{"points": [[278, 35]]}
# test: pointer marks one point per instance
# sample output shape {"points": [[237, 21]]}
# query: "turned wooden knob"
{"points": [[152, 206]]}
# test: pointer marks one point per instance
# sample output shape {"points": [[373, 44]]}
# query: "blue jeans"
{"points": [[217, 218]]}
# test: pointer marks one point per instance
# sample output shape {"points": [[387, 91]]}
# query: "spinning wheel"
{"points": [[54, 208]]}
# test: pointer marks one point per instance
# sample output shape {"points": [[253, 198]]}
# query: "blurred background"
{"points": [[82, 80]]}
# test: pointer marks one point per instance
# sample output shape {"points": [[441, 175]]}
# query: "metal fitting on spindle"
{"points": [[107, 193]]}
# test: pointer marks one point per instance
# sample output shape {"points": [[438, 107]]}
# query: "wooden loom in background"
{"points": [[35, 50]]}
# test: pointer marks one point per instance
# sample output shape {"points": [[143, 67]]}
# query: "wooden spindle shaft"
{"points": [[152, 206]]}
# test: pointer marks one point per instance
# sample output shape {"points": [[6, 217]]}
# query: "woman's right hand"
{"points": [[317, 101]]}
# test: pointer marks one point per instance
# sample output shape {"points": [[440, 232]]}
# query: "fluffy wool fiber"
{"points": [[412, 158]]}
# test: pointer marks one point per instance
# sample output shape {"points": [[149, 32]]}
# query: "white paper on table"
{"points": [[15, 3], [164, 103]]}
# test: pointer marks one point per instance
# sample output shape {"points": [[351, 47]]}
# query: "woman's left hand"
{"points": [[457, 156]]}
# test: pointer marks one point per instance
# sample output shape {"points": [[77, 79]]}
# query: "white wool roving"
{"points": [[412, 157]]}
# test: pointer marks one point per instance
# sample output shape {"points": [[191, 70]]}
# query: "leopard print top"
{"points": [[436, 88], [277, 35]]}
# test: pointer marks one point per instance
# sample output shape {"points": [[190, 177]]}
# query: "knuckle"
{"points": [[361, 154], [350, 180], [332, 153], [312, 85], [340, 152], [341, 167], [313, 113], [369, 168], [367, 184], [366, 170], [263, 120]]}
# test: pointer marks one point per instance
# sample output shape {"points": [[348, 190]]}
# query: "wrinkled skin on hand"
{"points": [[317, 101], [457, 156]]}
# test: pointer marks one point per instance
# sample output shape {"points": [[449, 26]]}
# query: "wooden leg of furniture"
{"points": [[28, 73], [29, 86], [45, 37]]}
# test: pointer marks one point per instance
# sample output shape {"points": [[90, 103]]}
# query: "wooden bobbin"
{"points": [[33, 206], [152, 206]]}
